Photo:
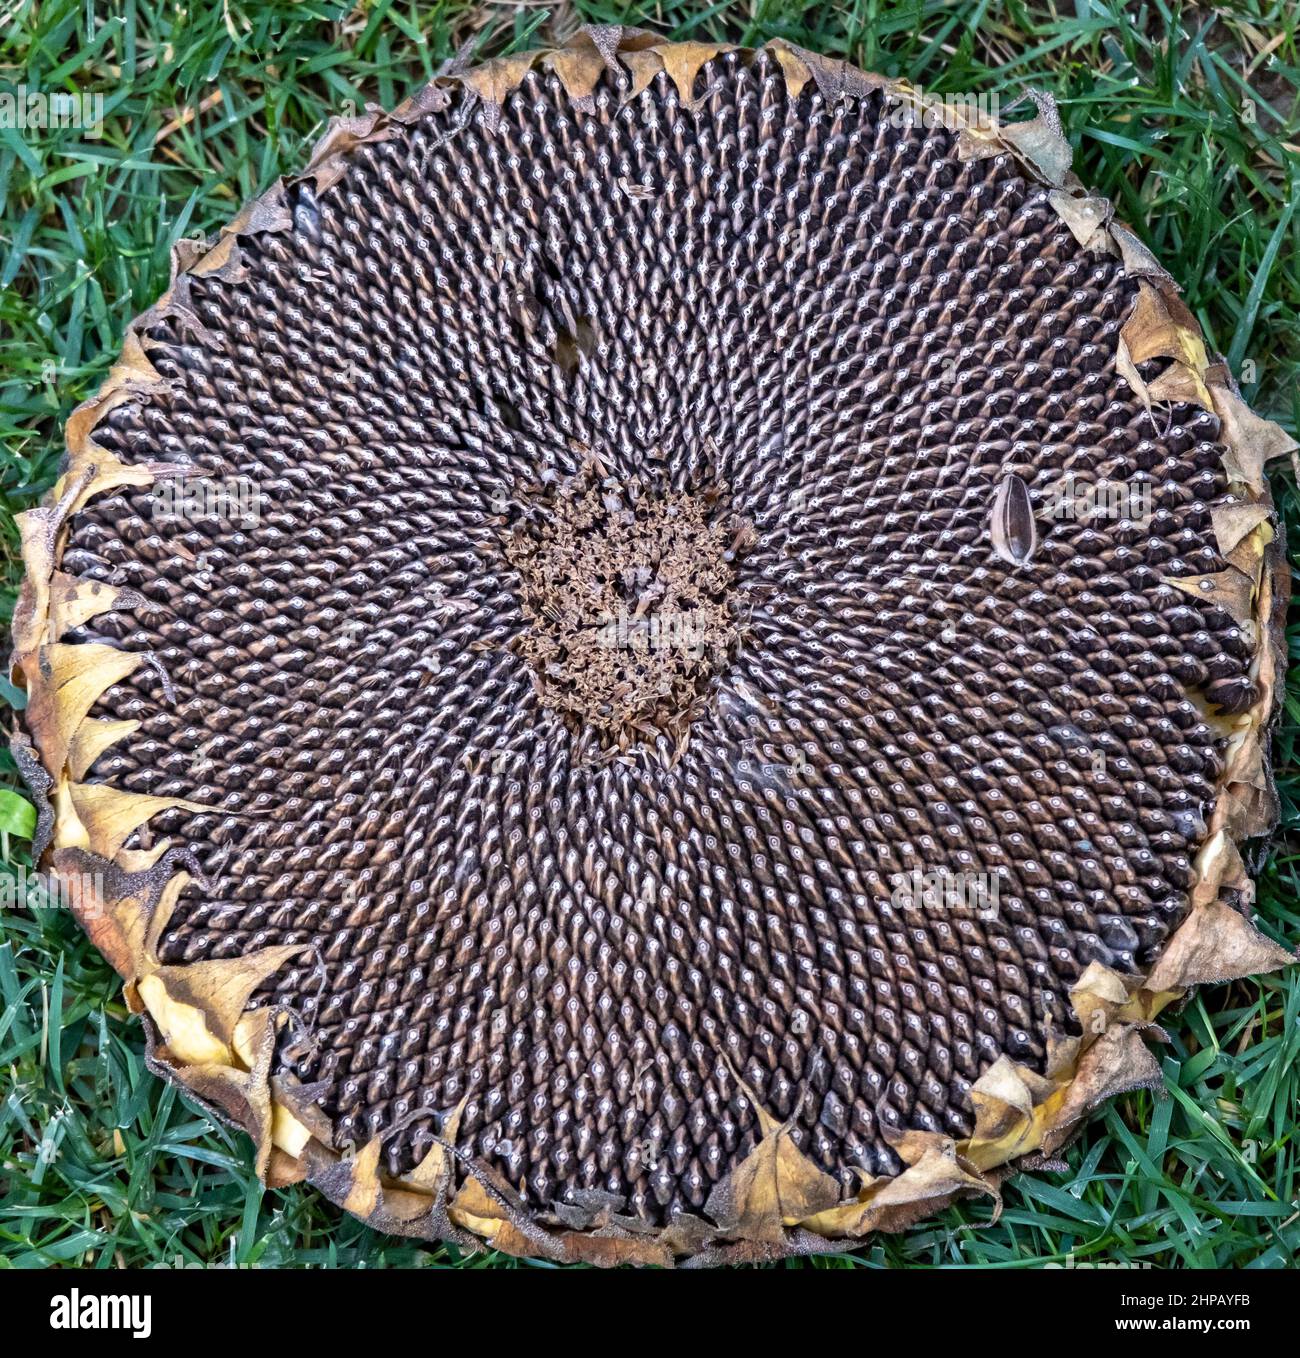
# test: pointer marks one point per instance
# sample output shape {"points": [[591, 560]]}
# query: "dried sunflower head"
{"points": [[665, 654]]}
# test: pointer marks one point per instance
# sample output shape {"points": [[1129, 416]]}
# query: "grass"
{"points": [[1185, 117]]}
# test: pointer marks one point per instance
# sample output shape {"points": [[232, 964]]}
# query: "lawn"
{"points": [[1187, 118]]}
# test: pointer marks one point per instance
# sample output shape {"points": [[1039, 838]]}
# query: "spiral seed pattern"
{"points": [[858, 337]]}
